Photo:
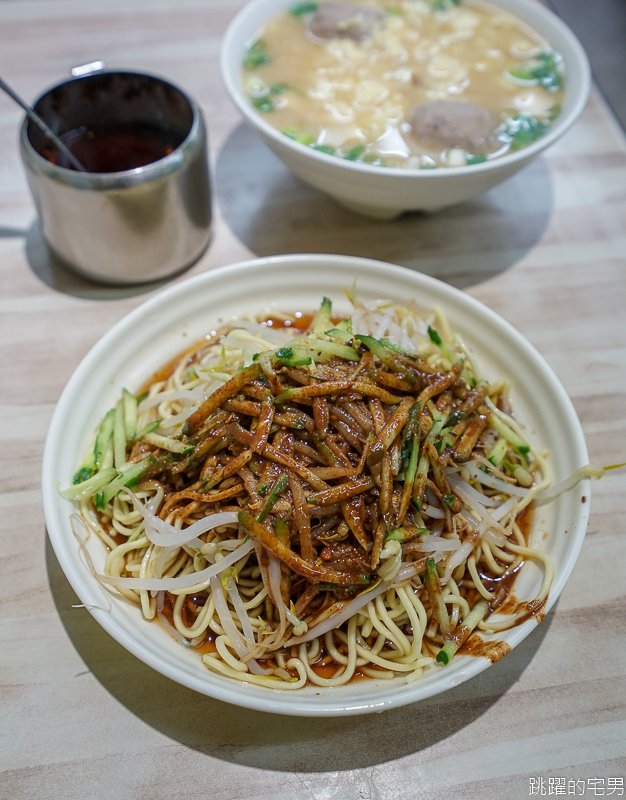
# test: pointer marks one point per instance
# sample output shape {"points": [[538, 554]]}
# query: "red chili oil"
{"points": [[116, 146], [300, 321]]}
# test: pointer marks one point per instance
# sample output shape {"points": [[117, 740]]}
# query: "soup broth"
{"points": [[411, 84]]}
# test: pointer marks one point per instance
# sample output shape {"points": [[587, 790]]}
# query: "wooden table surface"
{"points": [[80, 717]]}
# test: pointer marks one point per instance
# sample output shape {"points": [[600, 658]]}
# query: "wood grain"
{"points": [[82, 718]]}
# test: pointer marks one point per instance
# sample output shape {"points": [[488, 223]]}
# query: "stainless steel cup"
{"points": [[132, 226]]}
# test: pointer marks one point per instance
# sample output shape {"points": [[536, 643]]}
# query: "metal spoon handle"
{"points": [[41, 124]]}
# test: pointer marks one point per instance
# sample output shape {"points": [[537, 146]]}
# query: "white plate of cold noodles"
{"points": [[324, 506]]}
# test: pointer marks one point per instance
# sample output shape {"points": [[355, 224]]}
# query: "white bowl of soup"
{"points": [[402, 105]]}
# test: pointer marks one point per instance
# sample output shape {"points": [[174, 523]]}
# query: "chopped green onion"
{"points": [[263, 104], [443, 5], [299, 136], [521, 130], [354, 153], [554, 111], [373, 160], [256, 56], [254, 59], [306, 7], [545, 69]]}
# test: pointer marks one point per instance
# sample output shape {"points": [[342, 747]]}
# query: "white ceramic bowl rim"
{"points": [[101, 374], [232, 81]]}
